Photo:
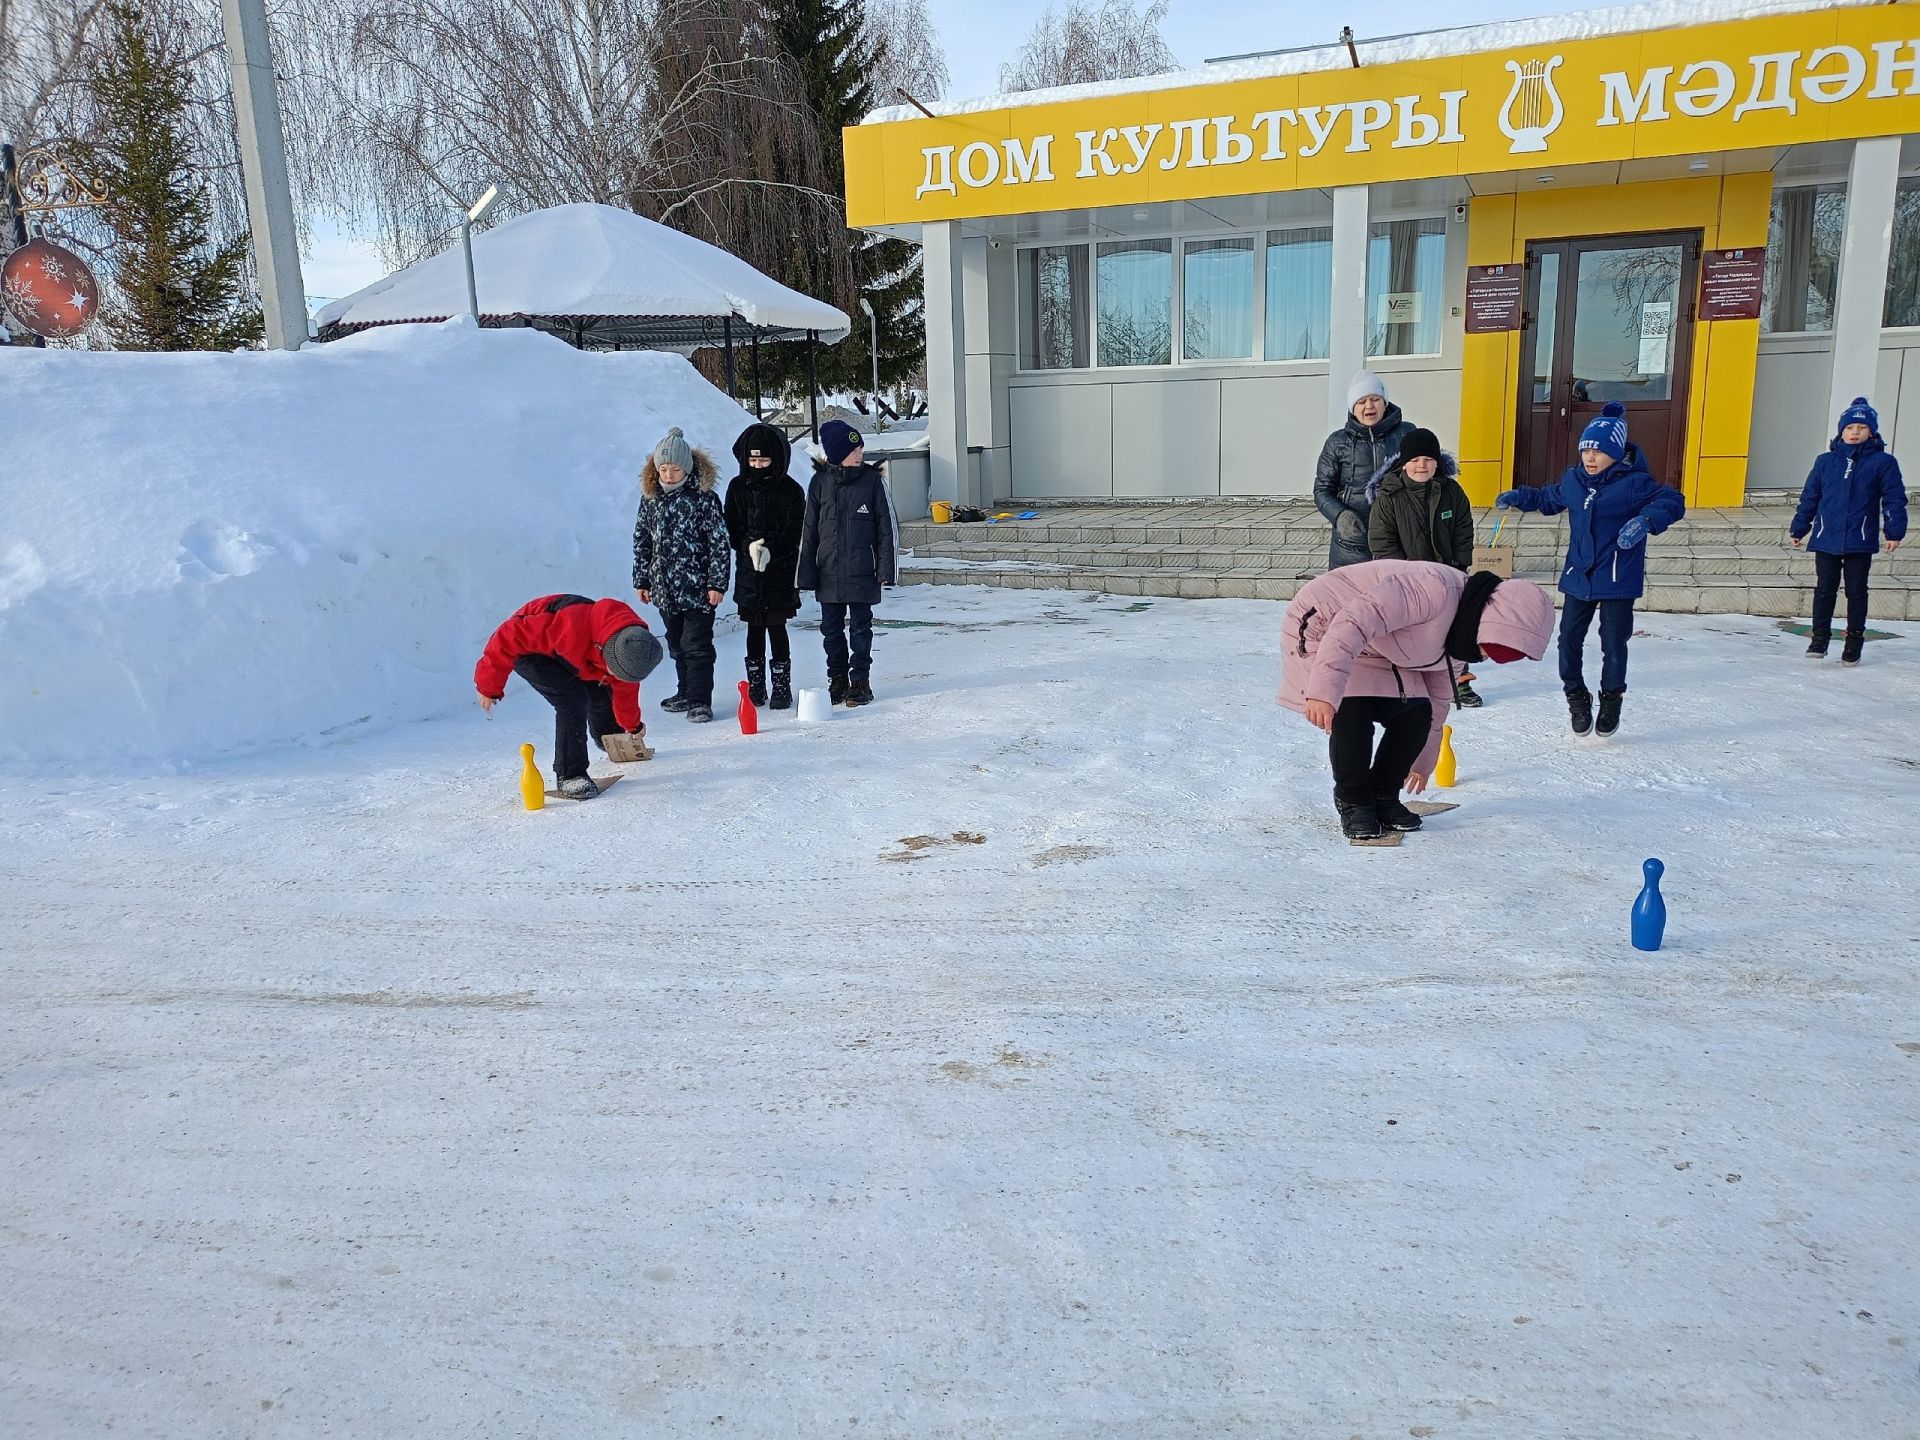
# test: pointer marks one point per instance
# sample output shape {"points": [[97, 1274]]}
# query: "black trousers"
{"points": [[581, 709], [1362, 775], [760, 633], [1616, 628], [834, 620], [1827, 572], [690, 643]]}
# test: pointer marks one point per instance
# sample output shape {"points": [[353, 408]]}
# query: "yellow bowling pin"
{"points": [[533, 790], [1443, 768]]}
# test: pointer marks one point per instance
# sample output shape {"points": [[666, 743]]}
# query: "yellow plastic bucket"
{"points": [[942, 512]]}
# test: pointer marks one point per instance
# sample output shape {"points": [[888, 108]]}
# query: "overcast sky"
{"points": [[980, 34]]}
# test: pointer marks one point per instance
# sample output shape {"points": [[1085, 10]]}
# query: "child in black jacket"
{"points": [[766, 513], [846, 556]]}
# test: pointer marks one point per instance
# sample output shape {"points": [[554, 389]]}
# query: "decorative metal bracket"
{"points": [[47, 181]]}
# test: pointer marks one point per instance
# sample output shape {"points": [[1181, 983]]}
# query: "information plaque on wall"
{"points": [[1495, 295], [1731, 283]]}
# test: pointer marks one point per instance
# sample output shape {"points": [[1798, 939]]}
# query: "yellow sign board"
{"points": [[1746, 84]]}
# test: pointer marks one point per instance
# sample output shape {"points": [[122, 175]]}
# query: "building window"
{"points": [[1134, 280], [1903, 261], [1299, 293], [1406, 280], [1053, 293], [1803, 259], [1216, 299]]}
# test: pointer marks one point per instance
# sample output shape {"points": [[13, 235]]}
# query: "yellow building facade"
{"points": [[1163, 287]]}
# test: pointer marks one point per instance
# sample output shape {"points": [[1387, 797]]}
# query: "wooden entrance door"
{"points": [[1607, 318]]}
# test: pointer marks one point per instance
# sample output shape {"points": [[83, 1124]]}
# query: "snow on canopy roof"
{"points": [[597, 263], [1430, 45]]}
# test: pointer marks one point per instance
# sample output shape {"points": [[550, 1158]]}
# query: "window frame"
{"points": [[1840, 187], [1443, 234]]}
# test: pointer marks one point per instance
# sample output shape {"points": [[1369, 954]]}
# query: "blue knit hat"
{"points": [[1608, 433], [839, 440], [1860, 413]]}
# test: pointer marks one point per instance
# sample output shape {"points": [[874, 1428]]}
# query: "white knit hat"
{"points": [[1363, 384]]}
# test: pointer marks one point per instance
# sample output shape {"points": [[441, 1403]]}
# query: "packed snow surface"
{"points": [[208, 553], [1553, 29], [1022, 1056]]}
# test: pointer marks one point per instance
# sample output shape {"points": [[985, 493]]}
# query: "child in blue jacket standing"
{"points": [[1613, 504], [1851, 487]]}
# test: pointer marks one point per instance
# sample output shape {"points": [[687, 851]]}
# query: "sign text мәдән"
{"points": [[1779, 81]]}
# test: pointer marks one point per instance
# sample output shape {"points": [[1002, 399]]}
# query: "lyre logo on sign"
{"points": [[1533, 110]]}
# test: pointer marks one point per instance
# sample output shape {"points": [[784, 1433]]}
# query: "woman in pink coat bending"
{"points": [[1376, 644]]}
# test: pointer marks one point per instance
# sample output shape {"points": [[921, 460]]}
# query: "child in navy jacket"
{"points": [[1613, 504], [1851, 487]]}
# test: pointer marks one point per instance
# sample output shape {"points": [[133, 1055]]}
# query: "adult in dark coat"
{"points": [[1351, 457], [846, 556], [766, 514]]}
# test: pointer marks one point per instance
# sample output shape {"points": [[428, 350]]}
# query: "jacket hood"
{"points": [[1386, 422], [820, 462], [1390, 478], [1867, 446], [705, 475], [763, 437], [1626, 465], [1519, 615]]}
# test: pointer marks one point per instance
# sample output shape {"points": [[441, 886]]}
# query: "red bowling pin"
{"points": [[749, 717]]}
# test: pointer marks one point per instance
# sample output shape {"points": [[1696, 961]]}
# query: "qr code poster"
{"points": [[1656, 324]]}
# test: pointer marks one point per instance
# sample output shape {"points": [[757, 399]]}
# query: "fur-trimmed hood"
{"points": [[705, 474], [1449, 470]]}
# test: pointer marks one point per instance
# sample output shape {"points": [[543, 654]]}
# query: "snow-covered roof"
{"points": [[584, 262], [1431, 45]]}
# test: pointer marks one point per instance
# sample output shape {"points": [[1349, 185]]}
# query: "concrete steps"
{"points": [[1731, 561]]}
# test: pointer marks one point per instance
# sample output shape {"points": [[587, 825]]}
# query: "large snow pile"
{"points": [[208, 553]]}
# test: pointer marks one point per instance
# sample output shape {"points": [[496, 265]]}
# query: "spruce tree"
{"points": [[823, 40], [174, 287]]}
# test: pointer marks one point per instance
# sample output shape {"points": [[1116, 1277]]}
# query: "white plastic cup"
{"points": [[814, 706]]}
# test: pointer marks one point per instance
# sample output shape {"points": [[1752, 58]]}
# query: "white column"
{"points": [[942, 273], [1872, 180], [1347, 342], [263, 163], [990, 360]]}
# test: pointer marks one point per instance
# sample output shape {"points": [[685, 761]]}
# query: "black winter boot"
{"points": [[1855, 643], [1580, 711], [1393, 815], [1358, 822], [675, 704], [782, 684], [757, 681], [836, 687], [700, 714], [1466, 697], [1817, 642], [1609, 720], [859, 692]]}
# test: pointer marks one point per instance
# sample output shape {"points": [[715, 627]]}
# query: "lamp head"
{"points": [[481, 205]]}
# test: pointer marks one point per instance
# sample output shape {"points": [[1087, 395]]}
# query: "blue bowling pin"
{"points": [[1650, 911]]}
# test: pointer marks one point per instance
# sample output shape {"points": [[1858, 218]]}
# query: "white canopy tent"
{"points": [[601, 278]]}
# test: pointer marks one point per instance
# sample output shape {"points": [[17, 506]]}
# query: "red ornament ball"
{"points": [[49, 289]]}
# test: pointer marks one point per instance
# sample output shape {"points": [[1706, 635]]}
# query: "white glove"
{"points": [[760, 554]]}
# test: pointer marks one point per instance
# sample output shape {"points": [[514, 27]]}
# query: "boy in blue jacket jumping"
{"points": [[1852, 486], [1613, 505]]}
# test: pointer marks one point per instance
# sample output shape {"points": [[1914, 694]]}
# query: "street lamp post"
{"points": [[873, 354], [480, 208]]}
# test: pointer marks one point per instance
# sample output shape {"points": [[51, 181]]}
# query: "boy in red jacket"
{"points": [[587, 657]]}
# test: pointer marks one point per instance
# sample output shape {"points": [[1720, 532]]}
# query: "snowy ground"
{"points": [[343, 1097]]}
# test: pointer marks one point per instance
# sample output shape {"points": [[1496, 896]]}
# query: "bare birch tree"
{"points": [[1079, 44]]}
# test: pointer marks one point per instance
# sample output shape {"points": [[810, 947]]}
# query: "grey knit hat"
{"points": [[632, 652], [674, 450]]}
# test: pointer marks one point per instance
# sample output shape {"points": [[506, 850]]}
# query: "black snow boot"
{"points": [[1358, 822], [782, 685], [580, 787], [1580, 711], [1393, 815], [675, 704], [700, 714], [859, 692], [1817, 642], [1855, 643], [1466, 697], [836, 687], [1609, 720], [757, 681]]}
